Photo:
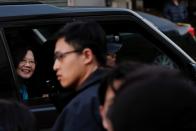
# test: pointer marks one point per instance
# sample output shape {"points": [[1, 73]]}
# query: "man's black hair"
{"points": [[85, 34]]}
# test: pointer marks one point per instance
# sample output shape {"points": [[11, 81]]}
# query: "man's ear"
{"points": [[101, 111], [87, 55]]}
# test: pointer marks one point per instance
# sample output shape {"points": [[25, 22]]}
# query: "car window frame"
{"points": [[14, 84]]}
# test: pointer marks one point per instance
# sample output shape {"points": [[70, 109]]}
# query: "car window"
{"points": [[136, 46], [42, 88], [43, 78]]}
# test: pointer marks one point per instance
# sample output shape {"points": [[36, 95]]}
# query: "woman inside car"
{"points": [[25, 64]]}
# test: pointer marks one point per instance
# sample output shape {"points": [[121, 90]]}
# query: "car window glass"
{"points": [[136, 46]]}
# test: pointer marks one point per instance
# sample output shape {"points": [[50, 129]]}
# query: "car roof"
{"points": [[22, 10], [163, 24]]}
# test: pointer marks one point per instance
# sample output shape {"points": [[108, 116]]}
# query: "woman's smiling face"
{"points": [[26, 66]]}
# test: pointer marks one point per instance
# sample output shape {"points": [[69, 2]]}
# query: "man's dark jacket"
{"points": [[82, 112]]}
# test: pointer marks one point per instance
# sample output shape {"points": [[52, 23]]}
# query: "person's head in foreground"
{"points": [[154, 98], [16, 117], [111, 84]]}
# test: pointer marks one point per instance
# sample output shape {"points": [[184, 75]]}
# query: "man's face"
{"points": [[68, 66], [26, 67], [109, 97]]}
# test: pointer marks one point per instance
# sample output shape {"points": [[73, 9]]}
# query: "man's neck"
{"points": [[90, 69]]}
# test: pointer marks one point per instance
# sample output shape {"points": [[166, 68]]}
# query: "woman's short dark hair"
{"points": [[20, 51]]}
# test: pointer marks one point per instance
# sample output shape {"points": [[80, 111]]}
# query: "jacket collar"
{"points": [[95, 77]]}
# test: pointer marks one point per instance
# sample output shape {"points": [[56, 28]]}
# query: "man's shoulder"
{"points": [[82, 106], [85, 96]]}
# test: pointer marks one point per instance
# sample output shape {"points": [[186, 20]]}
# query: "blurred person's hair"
{"points": [[16, 117], [154, 98], [119, 72]]}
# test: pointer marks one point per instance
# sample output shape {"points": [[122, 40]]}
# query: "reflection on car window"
{"points": [[136, 46]]}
